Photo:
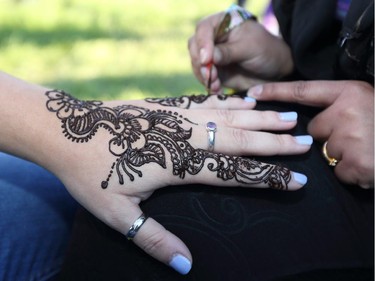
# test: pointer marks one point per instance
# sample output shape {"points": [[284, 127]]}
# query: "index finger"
{"points": [[205, 37], [312, 93]]}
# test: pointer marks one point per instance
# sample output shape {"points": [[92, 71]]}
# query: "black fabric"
{"points": [[325, 229], [316, 38]]}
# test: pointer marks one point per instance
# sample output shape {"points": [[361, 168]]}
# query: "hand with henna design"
{"points": [[113, 155]]}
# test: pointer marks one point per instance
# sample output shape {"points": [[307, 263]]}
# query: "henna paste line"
{"points": [[185, 101]]}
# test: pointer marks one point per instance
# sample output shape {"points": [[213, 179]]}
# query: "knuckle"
{"points": [[240, 138], [112, 215], [226, 116], [359, 172], [225, 55], [349, 114], [199, 42], [270, 88], [199, 24], [357, 86], [154, 242], [268, 117], [281, 142], [300, 90], [362, 168]]}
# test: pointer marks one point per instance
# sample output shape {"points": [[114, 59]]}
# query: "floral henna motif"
{"points": [[142, 136]]}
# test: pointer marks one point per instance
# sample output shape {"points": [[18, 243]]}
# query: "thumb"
{"points": [[229, 52], [127, 218], [164, 246], [223, 54]]}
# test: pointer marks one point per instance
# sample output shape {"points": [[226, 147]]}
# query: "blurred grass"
{"points": [[96, 49]]}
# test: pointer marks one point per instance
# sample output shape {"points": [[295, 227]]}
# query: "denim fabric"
{"points": [[36, 215]]}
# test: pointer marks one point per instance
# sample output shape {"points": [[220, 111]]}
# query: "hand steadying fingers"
{"points": [[346, 121]]}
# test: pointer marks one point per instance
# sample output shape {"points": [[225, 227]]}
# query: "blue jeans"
{"points": [[36, 216]]}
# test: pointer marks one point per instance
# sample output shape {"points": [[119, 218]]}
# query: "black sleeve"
{"points": [[315, 37], [311, 30]]}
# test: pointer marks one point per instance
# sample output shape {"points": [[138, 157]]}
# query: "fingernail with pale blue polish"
{"points": [[307, 140], [300, 178], [181, 264], [249, 99], [288, 116]]}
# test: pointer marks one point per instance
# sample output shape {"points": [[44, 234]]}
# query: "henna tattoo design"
{"points": [[142, 136], [182, 102], [185, 101]]}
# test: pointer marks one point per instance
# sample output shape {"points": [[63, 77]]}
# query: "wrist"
{"points": [[27, 129]]}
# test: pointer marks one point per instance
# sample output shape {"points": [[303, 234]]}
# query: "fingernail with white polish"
{"points": [[255, 91], [204, 72], [181, 264], [307, 140], [202, 56], [249, 99], [288, 116], [300, 178]]}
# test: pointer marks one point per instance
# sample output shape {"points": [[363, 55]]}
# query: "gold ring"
{"points": [[331, 161]]}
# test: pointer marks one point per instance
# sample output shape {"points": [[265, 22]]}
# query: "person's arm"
{"points": [[27, 129], [112, 155]]}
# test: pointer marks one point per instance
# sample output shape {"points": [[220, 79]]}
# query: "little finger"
{"points": [[224, 170]]}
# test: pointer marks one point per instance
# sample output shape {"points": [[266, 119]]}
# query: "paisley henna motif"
{"points": [[142, 136]]}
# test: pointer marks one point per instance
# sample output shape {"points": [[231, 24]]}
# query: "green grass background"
{"points": [[105, 49]]}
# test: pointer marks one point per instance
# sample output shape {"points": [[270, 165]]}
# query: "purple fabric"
{"points": [[342, 8]]}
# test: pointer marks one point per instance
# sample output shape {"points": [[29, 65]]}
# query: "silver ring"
{"points": [[136, 226], [211, 129]]}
